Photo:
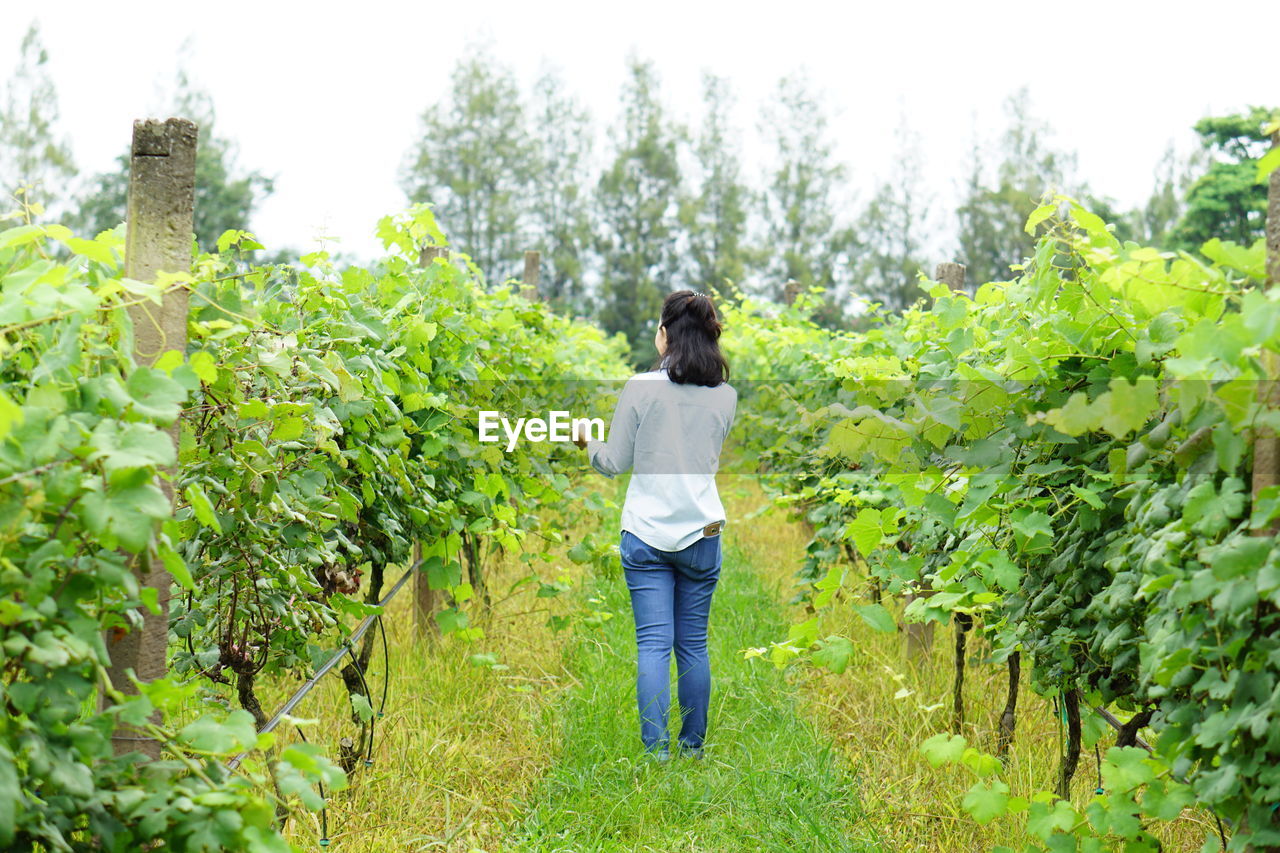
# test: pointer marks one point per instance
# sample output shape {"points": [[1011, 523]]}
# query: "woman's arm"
{"points": [[617, 454]]}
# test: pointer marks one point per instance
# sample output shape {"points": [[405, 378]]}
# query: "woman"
{"points": [[668, 428]]}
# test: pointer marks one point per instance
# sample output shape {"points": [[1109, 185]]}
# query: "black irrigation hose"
{"points": [[386, 661], [324, 809], [329, 664], [368, 756]]}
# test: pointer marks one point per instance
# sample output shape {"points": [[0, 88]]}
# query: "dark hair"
{"points": [[693, 340]]}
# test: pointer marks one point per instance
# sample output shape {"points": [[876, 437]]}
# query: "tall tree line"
{"points": [[665, 205]]}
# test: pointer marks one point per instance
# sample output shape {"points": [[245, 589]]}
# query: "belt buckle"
{"points": [[712, 529]]}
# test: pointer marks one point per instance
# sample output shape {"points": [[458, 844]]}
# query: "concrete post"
{"points": [[791, 291], [1266, 446], [532, 273], [158, 238], [430, 253], [950, 274]]}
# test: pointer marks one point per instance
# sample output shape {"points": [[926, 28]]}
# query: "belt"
{"points": [[713, 529]]}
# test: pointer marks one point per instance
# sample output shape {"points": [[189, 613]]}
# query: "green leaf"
{"points": [[1003, 572], [943, 748], [866, 530], [1126, 407], [360, 703], [1267, 164], [441, 575], [128, 514], [288, 429], [877, 617], [202, 507], [987, 802], [1208, 511], [834, 653], [1028, 523], [92, 249], [176, 566], [1126, 767], [155, 395], [1239, 555], [10, 795], [1040, 214], [209, 734], [1077, 417], [450, 620], [206, 367], [982, 763], [580, 553]]}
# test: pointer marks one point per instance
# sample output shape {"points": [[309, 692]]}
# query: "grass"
{"points": [[545, 755], [459, 745], [768, 780], [880, 709]]}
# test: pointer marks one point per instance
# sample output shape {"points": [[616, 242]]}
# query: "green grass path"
{"points": [[768, 781]]}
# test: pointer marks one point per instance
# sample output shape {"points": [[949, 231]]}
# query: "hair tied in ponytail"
{"points": [[693, 352]]}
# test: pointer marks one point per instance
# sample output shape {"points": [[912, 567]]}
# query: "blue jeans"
{"points": [[671, 599]]}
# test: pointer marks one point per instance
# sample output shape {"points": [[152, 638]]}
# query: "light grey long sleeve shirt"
{"points": [[671, 435]]}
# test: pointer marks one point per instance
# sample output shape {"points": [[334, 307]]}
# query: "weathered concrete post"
{"points": [[920, 634], [791, 291], [950, 274], [532, 273], [158, 238], [429, 253], [1266, 446]]}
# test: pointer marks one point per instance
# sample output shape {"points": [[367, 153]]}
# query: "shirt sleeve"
{"points": [[616, 455]]}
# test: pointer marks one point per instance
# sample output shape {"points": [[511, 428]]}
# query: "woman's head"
{"points": [[688, 340]]}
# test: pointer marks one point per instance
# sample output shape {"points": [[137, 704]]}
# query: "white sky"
{"points": [[325, 96]]}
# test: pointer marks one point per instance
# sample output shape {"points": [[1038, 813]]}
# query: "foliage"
{"points": [[560, 214], [1228, 202], [326, 424], [31, 154], [893, 231], [474, 160], [637, 200], [714, 216], [1064, 459], [806, 185], [994, 208]]}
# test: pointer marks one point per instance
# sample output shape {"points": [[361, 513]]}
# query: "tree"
{"points": [[993, 213], [224, 199], [559, 219], [894, 229], [30, 151], [805, 185], [1155, 220], [636, 201], [1227, 201], [474, 162], [714, 216]]}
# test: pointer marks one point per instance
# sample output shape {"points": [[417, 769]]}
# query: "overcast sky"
{"points": [[325, 96]]}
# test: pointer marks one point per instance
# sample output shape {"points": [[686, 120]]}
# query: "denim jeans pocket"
{"points": [[706, 557], [635, 552]]}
